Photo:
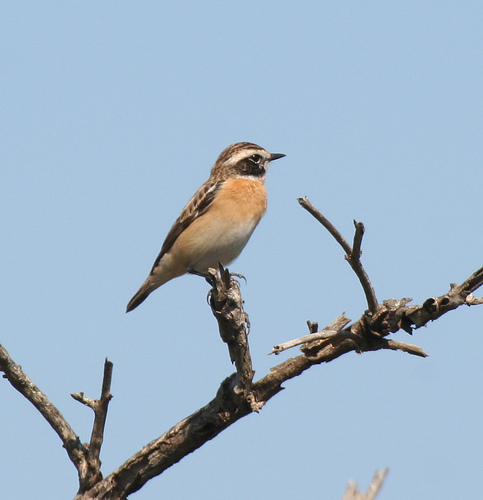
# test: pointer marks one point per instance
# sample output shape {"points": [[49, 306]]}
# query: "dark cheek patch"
{"points": [[252, 169]]}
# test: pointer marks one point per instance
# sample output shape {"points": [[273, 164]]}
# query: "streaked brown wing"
{"points": [[197, 206]]}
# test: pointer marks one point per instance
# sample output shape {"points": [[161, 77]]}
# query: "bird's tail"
{"points": [[140, 296], [160, 274]]}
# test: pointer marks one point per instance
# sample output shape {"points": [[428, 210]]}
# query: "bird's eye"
{"points": [[256, 159]]}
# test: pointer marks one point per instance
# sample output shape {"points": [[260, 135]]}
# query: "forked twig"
{"points": [[352, 492], [230, 403], [85, 458], [20, 381], [370, 330], [99, 406], [352, 254]]}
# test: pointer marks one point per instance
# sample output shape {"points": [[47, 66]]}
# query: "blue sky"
{"points": [[112, 115]]}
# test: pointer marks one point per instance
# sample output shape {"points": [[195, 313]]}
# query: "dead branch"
{"points": [[382, 319], [352, 255], [322, 335], [238, 395], [99, 406], [352, 492], [84, 457], [227, 306], [185, 437], [19, 380]]}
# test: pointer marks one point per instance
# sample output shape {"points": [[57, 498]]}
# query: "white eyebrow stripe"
{"points": [[245, 153]]}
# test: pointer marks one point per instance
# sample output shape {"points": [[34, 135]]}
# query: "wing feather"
{"points": [[196, 207]]}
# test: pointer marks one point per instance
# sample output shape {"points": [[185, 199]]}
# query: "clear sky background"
{"points": [[112, 114]]}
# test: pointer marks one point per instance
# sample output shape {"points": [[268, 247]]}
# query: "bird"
{"points": [[217, 222]]}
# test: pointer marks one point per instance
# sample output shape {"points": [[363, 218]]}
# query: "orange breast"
{"points": [[220, 234], [244, 200]]}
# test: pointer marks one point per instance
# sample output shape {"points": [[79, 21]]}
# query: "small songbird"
{"points": [[217, 222]]}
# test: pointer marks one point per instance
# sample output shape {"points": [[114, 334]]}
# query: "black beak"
{"points": [[276, 156]]}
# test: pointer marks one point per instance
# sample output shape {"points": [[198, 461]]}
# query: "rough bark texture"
{"points": [[238, 395]]}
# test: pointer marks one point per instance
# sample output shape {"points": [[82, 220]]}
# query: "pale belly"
{"points": [[221, 234], [222, 244]]}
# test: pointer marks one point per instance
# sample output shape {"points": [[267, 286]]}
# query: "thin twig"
{"points": [[376, 483], [101, 412], [99, 406], [322, 335], [100, 415], [339, 335], [472, 283], [356, 246], [326, 223], [395, 345], [352, 492], [79, 396], [473, 301], [352, 255]]}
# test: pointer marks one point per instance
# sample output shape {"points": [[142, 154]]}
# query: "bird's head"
{"points": [[243, 159]]}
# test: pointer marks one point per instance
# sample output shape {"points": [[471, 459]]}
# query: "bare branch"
{"points": [[100, 407], [85, 459], [100, 412], [79, 396], [329, 331], [376, 483], [20, 381], [326, 223], [313, 326], [472, 283], [339, 335], [185, 437], [238, 395], [394, 345], [473, 301], [409, 317], [352, 254], [368, 334], [352, 492], [233, 322], [356, 246], [322, 335]]}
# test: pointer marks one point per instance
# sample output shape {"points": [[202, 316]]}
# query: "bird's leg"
{"points": [[192, 270], [207, 276]]}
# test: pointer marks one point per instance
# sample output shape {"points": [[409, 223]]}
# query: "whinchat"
{"points": [[217, 222]]}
